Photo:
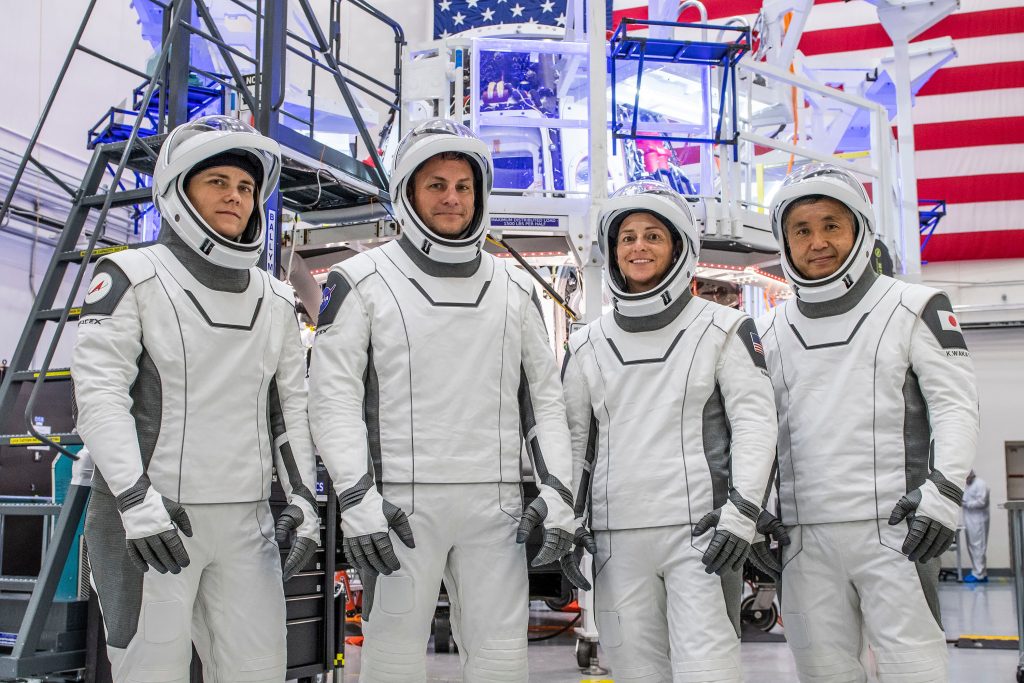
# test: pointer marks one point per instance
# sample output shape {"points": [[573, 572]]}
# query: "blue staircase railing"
{"points": [[931, 212], [643, 49], [205, 96]]}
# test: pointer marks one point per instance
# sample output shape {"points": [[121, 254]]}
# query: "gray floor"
{"points": [[966, 609]]}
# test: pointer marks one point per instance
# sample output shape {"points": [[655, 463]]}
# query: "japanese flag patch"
{"points": [[948, 321], [942, 322]]}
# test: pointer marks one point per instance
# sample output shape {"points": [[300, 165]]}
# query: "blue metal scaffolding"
{"points": [[707, 54]]}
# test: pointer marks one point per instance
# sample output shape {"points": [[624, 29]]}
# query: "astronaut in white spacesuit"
{"points": [[673, 427], [189, 378], [430, 366], [878, 421], [976, 521]]}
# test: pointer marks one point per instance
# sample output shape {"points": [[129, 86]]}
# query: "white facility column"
{"points": [[598, 101], [910, 221]]}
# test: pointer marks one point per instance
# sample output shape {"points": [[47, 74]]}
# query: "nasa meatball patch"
{"points": [[939, 317], [325, 299], [333, 295]]}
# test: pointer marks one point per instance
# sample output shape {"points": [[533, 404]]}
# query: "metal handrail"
{"points": [[5, 207], [93, 239]]}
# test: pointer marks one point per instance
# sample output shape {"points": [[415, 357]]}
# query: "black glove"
{"points": [[727, 551], [165, 551], [761, 554], [557, 542], [927, 538], [570, 562], [302, 548], [373, 553]]}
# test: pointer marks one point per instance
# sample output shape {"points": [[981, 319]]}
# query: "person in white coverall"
{"points": [[878, 420], [976, 519], [430, 366], [189, 379], [673, 424]]}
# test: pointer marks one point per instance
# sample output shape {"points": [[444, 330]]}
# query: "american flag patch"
{"points": [[756, 343]]}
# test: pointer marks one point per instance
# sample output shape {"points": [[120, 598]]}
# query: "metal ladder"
{"points": [[350, 184]]}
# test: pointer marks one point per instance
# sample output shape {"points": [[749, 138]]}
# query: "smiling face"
{"points": [[820, 235], [443, 195], [643, 251], [224, 196]]}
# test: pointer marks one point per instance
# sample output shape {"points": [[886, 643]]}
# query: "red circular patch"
{"points": [[952, 320]]}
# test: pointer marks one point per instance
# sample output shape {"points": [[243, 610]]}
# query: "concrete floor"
{"points": [[966, 609]]}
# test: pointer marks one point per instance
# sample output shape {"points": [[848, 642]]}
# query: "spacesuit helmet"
{"points": [[668, 206], [826, 180], [193, 146], [426, 140]]}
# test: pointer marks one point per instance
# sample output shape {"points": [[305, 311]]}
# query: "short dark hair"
{"points": [[239, 158], [814, 199]]}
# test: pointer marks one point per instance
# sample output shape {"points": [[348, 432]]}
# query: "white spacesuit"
{"points": [[877, 424], [430, 366], [190, 385], [673, 424], [976, 521]]}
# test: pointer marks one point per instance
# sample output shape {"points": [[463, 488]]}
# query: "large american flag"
{"points": [[968, 119], [455, 16]]}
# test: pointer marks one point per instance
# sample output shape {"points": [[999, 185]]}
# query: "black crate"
{"points": [[305, 642], [307, 583], [304, 607]]}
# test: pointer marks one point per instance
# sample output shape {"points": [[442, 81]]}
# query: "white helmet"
{"points": [[649, 196], [190, 145], [426, 140], [826, 180]]}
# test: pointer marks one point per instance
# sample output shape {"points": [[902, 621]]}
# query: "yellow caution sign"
{"points": [[30, 440], [104, 251], [54, 373]]}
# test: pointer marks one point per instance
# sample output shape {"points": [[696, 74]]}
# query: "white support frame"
{"points": [[880, 169]]}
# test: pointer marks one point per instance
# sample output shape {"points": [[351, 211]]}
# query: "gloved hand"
{"points": [[932, 509], [734, 525], [290, 527], [769, 529], [558, 543], [151, 528], [372, 553], [570, 562]]}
